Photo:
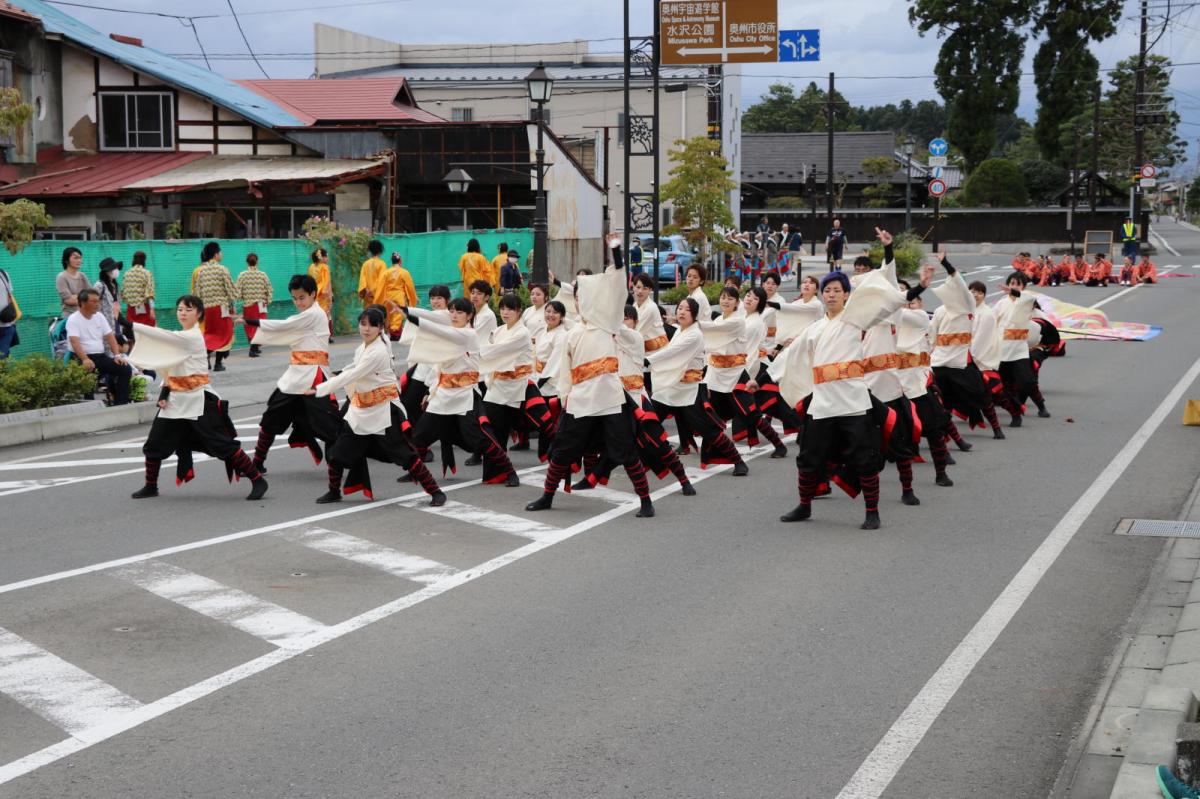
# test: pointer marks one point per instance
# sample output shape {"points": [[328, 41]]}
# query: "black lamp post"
{"points": [[910, 145], [540, 86]]}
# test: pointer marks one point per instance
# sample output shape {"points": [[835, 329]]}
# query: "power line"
{"points": [[238, 22], [218, 16]]}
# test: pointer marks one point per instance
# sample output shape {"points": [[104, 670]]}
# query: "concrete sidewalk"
{"points": [[245, 381], [1153, 686]]}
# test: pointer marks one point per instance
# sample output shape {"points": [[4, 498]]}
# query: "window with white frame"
{"points": [[462, 114], [137, 121]]}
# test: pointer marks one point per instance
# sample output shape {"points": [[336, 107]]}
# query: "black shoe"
{"points": [[544, 502], [145, 492], [998, 434], [909, 498], [682, 450], [740, 469], [406, 478], [331, 339], [332, 495], [1043, 413], [688, 490], [871, 522], [647, 509], [1016, 422], [474, 460], [513, 480], [262, 467], [520, 446], [252, 354], [220, 367], [944, 480], [780, 451], [581, 484], [950, 459], [964, 445], [257, 489], [437, 499], [800, 513]]}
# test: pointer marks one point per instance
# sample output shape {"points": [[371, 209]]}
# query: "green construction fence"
{"points": [[431, 258]]}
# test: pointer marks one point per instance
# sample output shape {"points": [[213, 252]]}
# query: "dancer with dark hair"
{"points": [[916, 376], [254, 291], [214, 287], [374, 426], [1013, 315], [191, 417]]}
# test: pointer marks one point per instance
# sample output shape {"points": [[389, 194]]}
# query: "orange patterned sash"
{"points": [[515, 374], [600, 366], [727, 361], [953, 339], [310, 358], [633, 382], [187, 382], [376, 396], [877, 363], [1016, 334], [692, 376], [911, 360], [458, 380], [656, 343], [828, 372]]}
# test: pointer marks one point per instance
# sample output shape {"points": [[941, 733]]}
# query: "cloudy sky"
{"points": [[876, 54]]}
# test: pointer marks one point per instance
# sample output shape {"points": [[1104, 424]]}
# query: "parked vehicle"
{"points": [[671, 258]]}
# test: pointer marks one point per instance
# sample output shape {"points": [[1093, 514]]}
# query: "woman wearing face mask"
{"points": [[452, 409], [374, 422], [110, 302], [678, 371], [191, 417], [727, 341]]}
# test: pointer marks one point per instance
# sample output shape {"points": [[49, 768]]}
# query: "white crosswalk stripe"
{"points": [[469, 514], [246, 612], [369, 553], [59, 692]]}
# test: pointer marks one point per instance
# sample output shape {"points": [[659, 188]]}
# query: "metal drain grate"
{"points": [[1161, 527]]}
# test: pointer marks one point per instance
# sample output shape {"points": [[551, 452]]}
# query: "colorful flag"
{"points": [[1078, 322]]}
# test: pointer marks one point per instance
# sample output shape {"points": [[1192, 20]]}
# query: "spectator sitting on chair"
{"points": [[88, 331]]}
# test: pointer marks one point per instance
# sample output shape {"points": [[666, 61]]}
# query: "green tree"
{"points": [[878, 168], [699, 192], [1045, 180], [780, 110], [1193, 197], [996, 183], [1116, 154], [978, 66], [1064, 69], [20, 218]]}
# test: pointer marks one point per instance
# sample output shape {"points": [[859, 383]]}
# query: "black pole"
{"points": [[937, 206], [541, 271], [1074, 190], [1095, 148], [658, 139], [624, 137], [1139, 125], [829, 156], [812, 199]]}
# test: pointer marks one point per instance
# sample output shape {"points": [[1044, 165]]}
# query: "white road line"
{"points": [[71, 481], [1196, 266], [117, 724], [1165, 243], [132, 441], [248, 613], [469, 514], [1117, 296], [221, 539], [611, 495], [23, 467], [890, 754], [64, 695], [1187, 225], [369, 553], [46, 482]]}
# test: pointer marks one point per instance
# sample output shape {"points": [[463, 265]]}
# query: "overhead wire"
{"points": [[238, 22]]}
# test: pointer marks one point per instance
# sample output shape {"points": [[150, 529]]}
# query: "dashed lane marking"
{"points": [[369, 553], [521, 526]]}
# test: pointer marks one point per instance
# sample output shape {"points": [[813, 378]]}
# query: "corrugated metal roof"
{"points": [[317, 101], [173, 71], [516, 73], [95, 175], [781, 157], [229, 170]]}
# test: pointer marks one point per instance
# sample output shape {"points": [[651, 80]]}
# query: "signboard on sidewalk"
{"points": [[718, 31]]}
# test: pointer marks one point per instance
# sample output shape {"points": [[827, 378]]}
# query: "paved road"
{"points": [[198, 645]]}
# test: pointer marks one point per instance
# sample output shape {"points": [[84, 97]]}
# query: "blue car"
{"points": [[671, 259]]}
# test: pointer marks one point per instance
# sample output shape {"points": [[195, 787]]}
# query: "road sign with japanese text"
{"points": [[718, 31]]}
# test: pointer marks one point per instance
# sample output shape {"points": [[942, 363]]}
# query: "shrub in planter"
{"points": [[671, 297], [909, 253], [39, 382], [137, 388]]}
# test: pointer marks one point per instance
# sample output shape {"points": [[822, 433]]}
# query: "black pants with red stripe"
{"points": [[468, 432], [350, 452]]}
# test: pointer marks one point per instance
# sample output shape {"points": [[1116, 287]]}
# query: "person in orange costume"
{"points": [[1099, 272], [395, 290], [1146, 271]]}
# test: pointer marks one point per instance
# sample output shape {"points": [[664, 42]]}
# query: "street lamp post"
{"points": [[540, 86], [909, 145]]}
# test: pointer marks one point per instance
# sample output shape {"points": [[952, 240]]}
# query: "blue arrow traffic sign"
{"points": [[800, 45], [938, 147]]}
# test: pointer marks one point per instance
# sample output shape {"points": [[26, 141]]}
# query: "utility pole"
{"points": [[1139, 120], [829, 157], [1074, 190], [1095, 148]]}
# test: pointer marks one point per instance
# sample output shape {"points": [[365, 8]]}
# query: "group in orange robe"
{"points": [[1099, 272], [1026, 265], [1080, 270], [394, 290], [318, 270], [1146, 271]]}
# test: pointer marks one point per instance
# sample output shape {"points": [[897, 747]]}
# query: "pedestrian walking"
{"points": [[254, 292], [215, 288]]}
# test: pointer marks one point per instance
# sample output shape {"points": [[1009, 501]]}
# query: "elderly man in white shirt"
{"points": [[88, 331]]}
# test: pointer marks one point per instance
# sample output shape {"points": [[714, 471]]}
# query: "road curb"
{"points": [[45, 424]]}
